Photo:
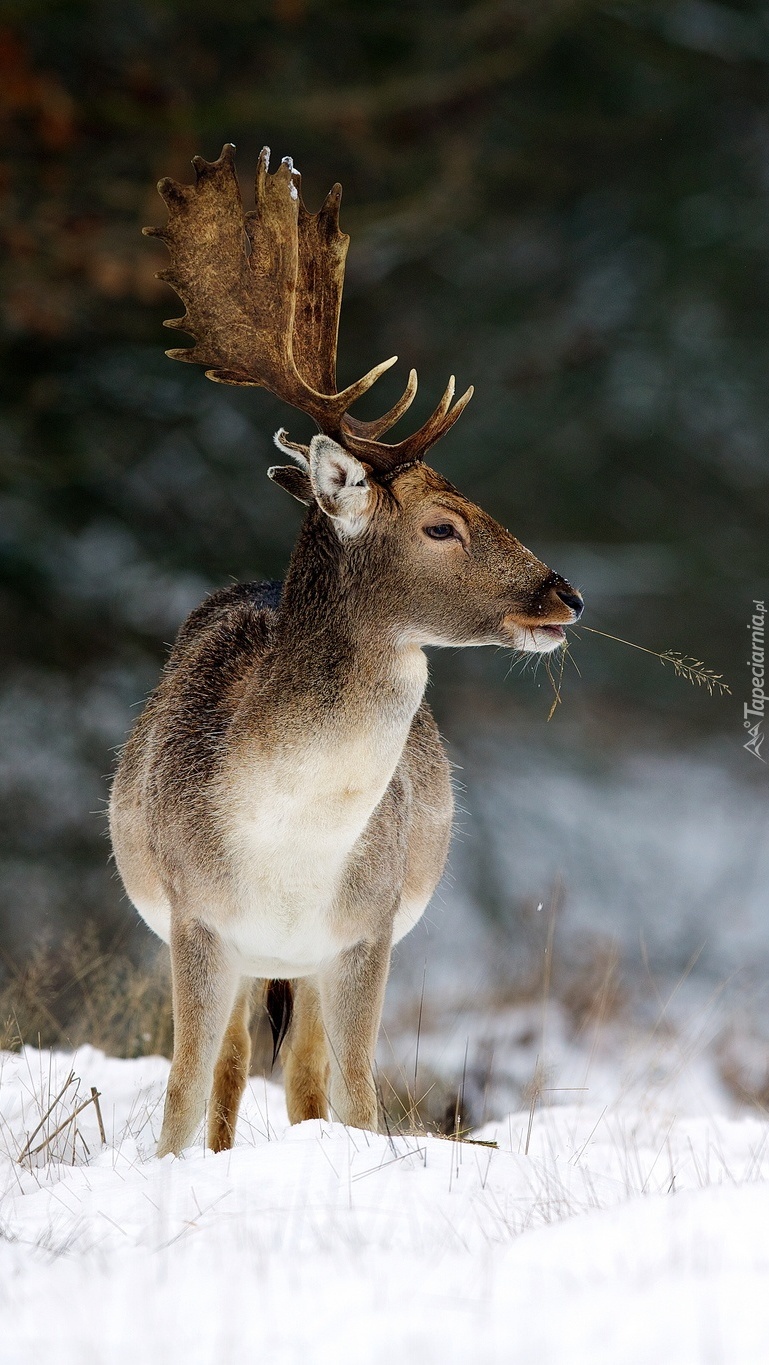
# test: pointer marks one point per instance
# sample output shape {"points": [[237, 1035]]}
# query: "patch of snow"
{"points": [[589, 1234], [293, 191]]}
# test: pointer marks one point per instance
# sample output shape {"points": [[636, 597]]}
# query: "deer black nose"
{"points": [[573, 600]]}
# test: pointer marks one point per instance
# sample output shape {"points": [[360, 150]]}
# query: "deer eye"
{"points": [[444, 531]]}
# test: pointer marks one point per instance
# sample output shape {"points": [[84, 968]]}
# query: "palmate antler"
{"points": [[262, 293]]}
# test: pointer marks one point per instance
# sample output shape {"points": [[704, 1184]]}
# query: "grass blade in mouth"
{"points": [[692, 670], [684, 665]]}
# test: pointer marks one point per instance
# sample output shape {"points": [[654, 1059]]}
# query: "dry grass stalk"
{"points": [[461, 1136], [690, 669], [99, 1119], [93, 1098], [72, 991], [684, 665], [556, 685], [69, 1081]]}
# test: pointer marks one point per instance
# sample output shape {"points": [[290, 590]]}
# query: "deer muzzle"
{"points": [[540, 628]]}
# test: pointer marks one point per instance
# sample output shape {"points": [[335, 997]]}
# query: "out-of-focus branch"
{"points": [[419, 89]]}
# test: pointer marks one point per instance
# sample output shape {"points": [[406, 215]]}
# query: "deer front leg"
{"points": [[352, 992], [204, 985]]}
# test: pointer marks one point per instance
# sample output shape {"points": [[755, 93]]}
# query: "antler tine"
{"points": [[262, 293], [434, 428], [391, 458], [377, 427], [344, 400]]}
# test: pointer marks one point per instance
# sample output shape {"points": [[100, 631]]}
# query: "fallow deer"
{"points": [[283, 806]]}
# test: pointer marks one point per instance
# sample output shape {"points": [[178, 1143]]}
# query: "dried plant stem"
{"points": [[692, 670], [47, 1114], [459, 1136], [556, 686], [92, 1099], [100, 1120], [535, 1094]]}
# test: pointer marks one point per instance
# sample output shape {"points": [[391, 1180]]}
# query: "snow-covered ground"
{"points": [[626, 1229]]}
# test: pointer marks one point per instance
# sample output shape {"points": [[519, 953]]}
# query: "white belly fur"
{"points": [[157, 914]]}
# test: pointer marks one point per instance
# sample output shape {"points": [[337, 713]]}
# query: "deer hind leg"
{"points": [[305, 1056], [352, 993], [204, 986], [231, 1073]]}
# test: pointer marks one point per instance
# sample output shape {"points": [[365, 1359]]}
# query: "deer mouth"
{"points": [[533, 638], [542, 639]]}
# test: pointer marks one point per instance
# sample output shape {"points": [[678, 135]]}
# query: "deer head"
{"points": [[262, 292]]}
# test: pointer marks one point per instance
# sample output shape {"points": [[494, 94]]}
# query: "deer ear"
{"points": [[341, 485], [295, 481]]}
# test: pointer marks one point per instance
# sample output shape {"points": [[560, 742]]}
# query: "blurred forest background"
{"points": [[564, 202]]}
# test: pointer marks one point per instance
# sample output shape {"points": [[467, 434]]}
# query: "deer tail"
{"points": [[280, 1007]]}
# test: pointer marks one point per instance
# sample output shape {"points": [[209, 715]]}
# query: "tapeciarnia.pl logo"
{"points": [[754, 710]]}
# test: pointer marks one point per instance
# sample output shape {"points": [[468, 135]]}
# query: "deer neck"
{"points": [[341, 660]]}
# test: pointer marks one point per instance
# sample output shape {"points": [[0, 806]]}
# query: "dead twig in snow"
{"points": [[93, 1098], [48, 1112]]}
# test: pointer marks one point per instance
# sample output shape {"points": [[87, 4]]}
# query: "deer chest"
{"points": [[291, 831]]}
